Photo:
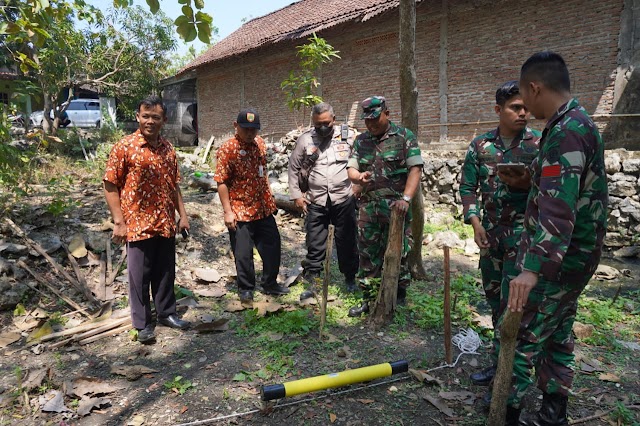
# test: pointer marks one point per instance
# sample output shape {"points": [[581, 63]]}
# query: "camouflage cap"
{"points": [[372, 107]]}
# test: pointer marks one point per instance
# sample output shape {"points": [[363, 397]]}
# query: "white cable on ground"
{"points": [[467, 341]]}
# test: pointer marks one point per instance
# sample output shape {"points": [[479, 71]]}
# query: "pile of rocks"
{"points": [[623, 170], [441, 184]]}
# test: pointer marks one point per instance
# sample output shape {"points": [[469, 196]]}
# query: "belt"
{"points": [[379, 193]]}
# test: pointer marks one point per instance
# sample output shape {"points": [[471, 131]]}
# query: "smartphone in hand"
{"points": [[185, 233]]}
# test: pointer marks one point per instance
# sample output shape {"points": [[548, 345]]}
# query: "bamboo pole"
{"points": [[105, 334], [325, 282], [448, 355]]}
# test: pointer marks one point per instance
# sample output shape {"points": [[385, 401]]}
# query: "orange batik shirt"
{"points": [[147, 180], [242, 166]]}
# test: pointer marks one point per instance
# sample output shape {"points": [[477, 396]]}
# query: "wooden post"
{"points": [[448, 355], [502, 381], [385, 304], [325, 282]]}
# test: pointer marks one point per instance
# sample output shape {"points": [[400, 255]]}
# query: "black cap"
{"points": [[248, 118]]}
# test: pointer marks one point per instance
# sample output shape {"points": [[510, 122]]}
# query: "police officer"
{"points": [[322, 154], [565, 224], [387, 164], [498, 215]]}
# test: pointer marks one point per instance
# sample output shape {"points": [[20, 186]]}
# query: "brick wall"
{"points": [[486, 44]]}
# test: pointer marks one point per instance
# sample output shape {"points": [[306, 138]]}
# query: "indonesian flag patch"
{"points": [[551, 171]]}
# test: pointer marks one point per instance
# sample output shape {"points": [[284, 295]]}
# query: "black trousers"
{"points": [[343, 217], [151, 263], [262, 233]]}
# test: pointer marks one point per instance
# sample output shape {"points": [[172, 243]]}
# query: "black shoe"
{"points": [[484, 377], [246, 296], [311, 277], [275, 290], [356, 311], [350, 283], [552, 413], [307, 294], [486, 400], [402, 296], [174, 322], [146, 335], [512, 417]]}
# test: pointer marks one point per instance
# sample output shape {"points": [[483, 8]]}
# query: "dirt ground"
{"points": [[227, 369]]}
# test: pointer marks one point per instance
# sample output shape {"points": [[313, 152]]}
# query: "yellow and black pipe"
{"points": [[333, 380]]}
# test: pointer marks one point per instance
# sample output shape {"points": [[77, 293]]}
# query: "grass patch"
{"points": [[426, 308], [461, 229], [617, 320]]}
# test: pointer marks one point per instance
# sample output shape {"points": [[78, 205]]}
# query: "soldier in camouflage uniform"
{"points": [[565, 224], [498, 215], [387, 164]]}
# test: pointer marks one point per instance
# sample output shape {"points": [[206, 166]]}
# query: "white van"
{"points": [[84, 112], [81, 112]]}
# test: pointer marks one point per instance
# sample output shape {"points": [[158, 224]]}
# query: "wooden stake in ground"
{"points": [[448, 355], [504, 372], [385, 304], [325, 282]]}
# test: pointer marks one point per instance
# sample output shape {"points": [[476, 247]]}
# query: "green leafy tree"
{"points": [[177, 61], [127, 54], [301, 87]]}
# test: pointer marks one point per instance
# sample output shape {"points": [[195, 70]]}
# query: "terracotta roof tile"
{"points": [[295, 21]]}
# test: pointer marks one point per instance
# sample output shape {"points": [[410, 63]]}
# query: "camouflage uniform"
{"points": [[565, 224], [502, 207], [389, 159]]}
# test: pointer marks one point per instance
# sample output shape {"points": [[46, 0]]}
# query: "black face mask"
{"points": [[324, 131]]}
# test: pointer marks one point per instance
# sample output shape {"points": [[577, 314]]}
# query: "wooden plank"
{"points": [[105, 334], [206, 151]]}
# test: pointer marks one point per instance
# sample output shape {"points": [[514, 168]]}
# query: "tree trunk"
{"points": [[409, 107], [283, 202], [385, 304], [502, 381]]}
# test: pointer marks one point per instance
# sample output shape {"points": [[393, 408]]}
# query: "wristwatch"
{"points": [[406, 198]]}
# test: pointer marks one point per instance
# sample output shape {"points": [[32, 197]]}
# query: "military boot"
{"points": [[513, 416], [552, 413]]}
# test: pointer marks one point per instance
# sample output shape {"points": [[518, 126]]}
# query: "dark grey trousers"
{"points": [[151, 263], [263, 233], [343, 217]]}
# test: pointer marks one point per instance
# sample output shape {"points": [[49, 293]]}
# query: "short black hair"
{"points": [[549, 68], [507, 91], [151, 101]]}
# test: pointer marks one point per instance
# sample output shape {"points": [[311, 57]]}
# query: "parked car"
{"points": [[80, 112]]}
